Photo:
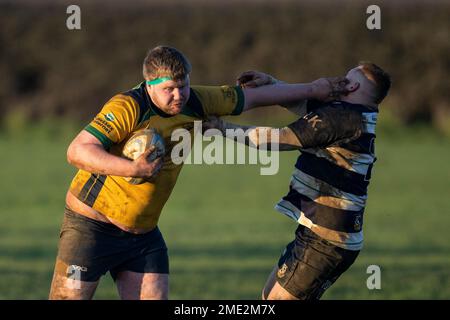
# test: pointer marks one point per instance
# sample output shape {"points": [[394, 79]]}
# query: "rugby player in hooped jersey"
{"points": [[328, 189], [110, 224]]}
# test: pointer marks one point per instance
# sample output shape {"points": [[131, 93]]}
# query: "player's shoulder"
{"points": [[137, 95], [338, 105], [134, 100], [123, 100], [337, 111], [202, 89], [217, 94], [332, 114], [217, 100]]}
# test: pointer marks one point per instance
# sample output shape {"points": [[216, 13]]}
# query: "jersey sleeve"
{"points": [[326, 126], [115, 121], [220, 101]]}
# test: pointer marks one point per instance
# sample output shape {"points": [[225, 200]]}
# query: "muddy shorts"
{"points": [[89, 248], [310, 265]]}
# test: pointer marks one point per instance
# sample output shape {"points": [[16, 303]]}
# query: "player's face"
{"points": [[170, 96]]}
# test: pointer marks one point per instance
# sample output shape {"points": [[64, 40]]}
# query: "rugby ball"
{"points": [[138, 143]]}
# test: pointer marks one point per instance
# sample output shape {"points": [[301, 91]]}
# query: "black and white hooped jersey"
{"points": [[328, 189]]}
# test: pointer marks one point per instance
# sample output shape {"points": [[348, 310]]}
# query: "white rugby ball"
{"points": [[138, 143]]}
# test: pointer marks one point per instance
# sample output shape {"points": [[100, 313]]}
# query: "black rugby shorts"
{"points": [[89, 248], [310, 265]]}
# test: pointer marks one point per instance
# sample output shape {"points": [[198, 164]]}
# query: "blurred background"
{"points": [[222, 231]]}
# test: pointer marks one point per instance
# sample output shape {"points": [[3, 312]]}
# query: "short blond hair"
{"points": [[164, 61]]}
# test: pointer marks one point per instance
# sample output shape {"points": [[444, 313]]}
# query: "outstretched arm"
{"points": [[280, 94], [320, 128], [265, 138], [254, 79], [261, 89]]}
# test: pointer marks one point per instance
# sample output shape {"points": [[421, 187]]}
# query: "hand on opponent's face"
{"points": [[328, 89], [325, 89]]}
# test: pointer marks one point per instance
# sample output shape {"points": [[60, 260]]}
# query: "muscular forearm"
{"points": [[93, 158], [289, 105], [265, 138], [279, 93], [238, 133]]}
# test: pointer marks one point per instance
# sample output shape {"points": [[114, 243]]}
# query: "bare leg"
{"points": [[143, 286], [64, 288], [270, 282], [273, 290]]}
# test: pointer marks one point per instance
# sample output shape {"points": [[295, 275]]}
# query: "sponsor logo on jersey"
{"points": [[110, 116]]}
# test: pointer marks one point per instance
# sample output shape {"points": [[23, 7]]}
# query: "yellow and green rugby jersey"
{"points": [[139, 206]]}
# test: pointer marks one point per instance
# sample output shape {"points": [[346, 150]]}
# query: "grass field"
{"points": [[220, 226]]}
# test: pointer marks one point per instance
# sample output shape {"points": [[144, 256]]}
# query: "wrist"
{"points": [[313, 91], [274, 80], [223, 127], [132, 169]]}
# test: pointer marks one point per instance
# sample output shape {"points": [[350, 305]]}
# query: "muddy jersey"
{"points": [[139, 206], [328, 189]]}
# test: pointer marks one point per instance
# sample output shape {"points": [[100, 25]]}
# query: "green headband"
{"points": [[157, 80]]}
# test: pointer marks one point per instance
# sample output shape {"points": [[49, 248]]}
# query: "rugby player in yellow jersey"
{"points": [[110, 224]]}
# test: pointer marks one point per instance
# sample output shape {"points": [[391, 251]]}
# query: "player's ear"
{"points": [[149, 88], [352, 86]]}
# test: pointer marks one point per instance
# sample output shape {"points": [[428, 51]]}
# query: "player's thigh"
{"points": [[309, 266], [273, 290], [145, 275], [142, 286], [83, 257], [270, 282], [66, 287], [279, 293]]}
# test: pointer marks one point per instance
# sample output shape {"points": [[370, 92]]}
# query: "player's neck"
{"points": [[358, 99]]}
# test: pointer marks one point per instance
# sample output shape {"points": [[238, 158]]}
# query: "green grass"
{"points": [[223, 235]]}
